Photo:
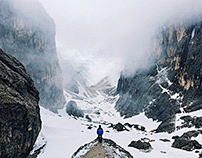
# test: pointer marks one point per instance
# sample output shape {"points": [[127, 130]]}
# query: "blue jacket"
{"points": [[100, 131]]}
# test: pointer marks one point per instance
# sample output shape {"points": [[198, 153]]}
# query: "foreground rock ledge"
{"points": [[19, 110], [106, 149]]}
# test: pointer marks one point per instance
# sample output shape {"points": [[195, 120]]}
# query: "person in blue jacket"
{"points": [[100, 133]]}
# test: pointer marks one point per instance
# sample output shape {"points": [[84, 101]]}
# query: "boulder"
{"points": [[120, 127], [88, 118], [185, 142], [73, 110], [140, 145], [187, 118], [20, 121]]}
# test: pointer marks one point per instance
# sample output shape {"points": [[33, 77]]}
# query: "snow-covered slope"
{"points": [[64, 134]]}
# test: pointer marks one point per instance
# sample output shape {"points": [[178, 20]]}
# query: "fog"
{"points": [[104, 37]]}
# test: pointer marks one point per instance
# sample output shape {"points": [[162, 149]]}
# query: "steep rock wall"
{"points": [[181, 51], [28, 33], [173, 83], [20, 121]]}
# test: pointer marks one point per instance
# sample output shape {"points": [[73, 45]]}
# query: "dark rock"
{"points": [[20, 121], [140, 145], [200, 155], [32, 41], [181, 58], [167, 126], [119, 127], [37, 152], [163, 152], [110, 125], [175, 137], [72, 109], [190, 122], [98, 113], [140, 128], [198, 122], [163, 108], [88, 118], [190, 134], [186, 143], [128, 124], [194, 107], [90, 127], [164, 140], [164, 84], [187, 118]]}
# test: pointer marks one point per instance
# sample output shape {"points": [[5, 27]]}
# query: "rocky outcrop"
{"points": [[189, 122], [167, 126], [173, 84], [19, 110], [28, 33], [136, 126], [108, 148], [73, 110], [145, 146], [119, 127], [127, 127], [185, 142]]}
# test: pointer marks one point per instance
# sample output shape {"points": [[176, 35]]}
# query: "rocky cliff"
{"points": [[19, 110], [174, 83], [28, 33]]}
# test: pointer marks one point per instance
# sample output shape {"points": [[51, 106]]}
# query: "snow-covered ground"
{"points": [[64, 134]]}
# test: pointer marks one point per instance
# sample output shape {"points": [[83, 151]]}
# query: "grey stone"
{"points": [[73, 110], [185, 142], [140, 145], [20, 121], [120, 127], [167, 126]]}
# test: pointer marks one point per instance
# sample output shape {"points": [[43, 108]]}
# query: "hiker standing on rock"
{"points": [[100, 133]]}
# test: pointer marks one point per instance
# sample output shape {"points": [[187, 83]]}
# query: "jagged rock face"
{"points": [[173, 82], [28, 33], [185, 142], [19, 110]]}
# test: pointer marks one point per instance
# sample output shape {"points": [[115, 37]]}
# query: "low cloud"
{"points": [[113, 35]]}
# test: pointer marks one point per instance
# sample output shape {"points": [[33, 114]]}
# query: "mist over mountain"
{"points": [[133, 67], [28, 33], [116, 34]]}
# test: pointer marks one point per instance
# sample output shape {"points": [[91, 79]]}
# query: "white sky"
{"points": [[112, 34]]}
